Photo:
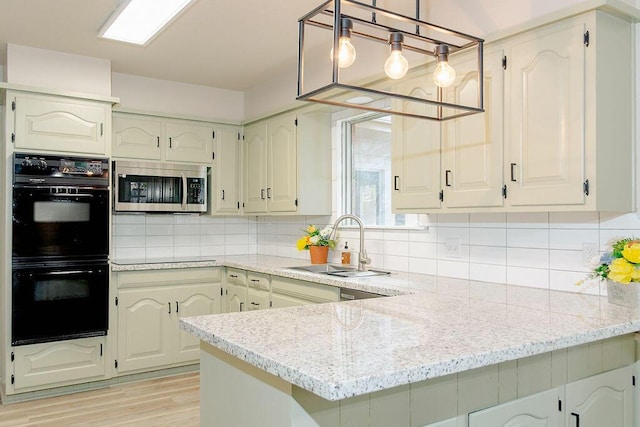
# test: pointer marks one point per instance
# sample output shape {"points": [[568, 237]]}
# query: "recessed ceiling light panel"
{"points": [[138, 21]]}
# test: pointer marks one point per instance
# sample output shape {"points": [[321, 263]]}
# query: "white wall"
{"points": [[57, 70], [177, 99]]}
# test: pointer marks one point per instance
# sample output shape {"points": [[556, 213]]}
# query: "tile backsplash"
{"points": [[542, 250]]}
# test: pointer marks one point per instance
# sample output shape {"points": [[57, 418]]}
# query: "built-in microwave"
{"points": [[159, 187]]}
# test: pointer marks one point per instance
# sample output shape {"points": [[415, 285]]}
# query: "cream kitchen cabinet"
{"points": [[289, 292], [47, 123], [415, 153], [541, 409], [159, 138], [604, 399], [472, 146], [149, 306], [137, 137], [225, 174], [287, 164], [57, 364], [235, 290], [568, 115]]}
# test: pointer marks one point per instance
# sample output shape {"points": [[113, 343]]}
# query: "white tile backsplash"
{"points": [[539, 250]]}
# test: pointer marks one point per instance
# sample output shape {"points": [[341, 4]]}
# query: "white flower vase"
{"points": [[625, 295]]}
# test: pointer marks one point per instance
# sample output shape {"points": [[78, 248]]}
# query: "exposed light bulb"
{"points": [[444, 75], [346, 50], [396, 65]]}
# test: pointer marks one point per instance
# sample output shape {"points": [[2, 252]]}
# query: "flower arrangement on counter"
{"points": [[316, 237], [620, 263]]}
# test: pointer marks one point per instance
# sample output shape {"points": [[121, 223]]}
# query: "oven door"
{"points": [[58, 302], [58, 223]]}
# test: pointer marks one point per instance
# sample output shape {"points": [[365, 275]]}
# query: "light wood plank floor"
{"points": [[172, 401]]}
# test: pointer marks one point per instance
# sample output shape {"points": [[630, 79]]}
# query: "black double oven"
{"points": [[60, 247]]}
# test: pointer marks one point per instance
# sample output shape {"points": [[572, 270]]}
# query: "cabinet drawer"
{"points": [[236, 277], [59, 363], [258, 280], [313, 292], [135, 279]]}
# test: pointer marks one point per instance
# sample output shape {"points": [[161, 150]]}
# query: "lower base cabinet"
{"points": [[59, 363], [150, 305], [605, 399]]}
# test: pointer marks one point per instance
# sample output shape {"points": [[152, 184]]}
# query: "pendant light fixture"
{"points": [[396, 65], [414, 79]]}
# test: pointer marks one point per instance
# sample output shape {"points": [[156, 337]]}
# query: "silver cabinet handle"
{"points": [[446, 178], [268, 192], [169, 307], [241, 305], [262, 193], [513, 177]]}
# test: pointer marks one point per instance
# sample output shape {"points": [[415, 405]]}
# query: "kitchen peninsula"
{"points": [[430, 355]]}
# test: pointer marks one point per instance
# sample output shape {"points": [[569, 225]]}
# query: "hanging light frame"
{"points": [[423, 38]]}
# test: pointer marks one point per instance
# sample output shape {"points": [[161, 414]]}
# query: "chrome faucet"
{"points": [[363, 259]]}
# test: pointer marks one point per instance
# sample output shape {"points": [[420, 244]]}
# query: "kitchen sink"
{"points": [[323, 268], [338, 270]]}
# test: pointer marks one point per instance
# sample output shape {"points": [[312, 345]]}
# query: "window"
{"points": [[366, 162]]}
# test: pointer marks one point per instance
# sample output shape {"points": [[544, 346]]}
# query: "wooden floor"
{"points": [[172, 401]]}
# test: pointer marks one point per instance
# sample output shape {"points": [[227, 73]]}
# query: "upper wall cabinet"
{"points": [[568, 116], [472, 145], [287, 164], [47, 123], [563, 98], [225, 174], [156, 138]]}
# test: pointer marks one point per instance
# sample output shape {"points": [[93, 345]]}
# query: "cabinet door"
{"points": [[472, 145], [282, 176], [235, 298], [255, 168], [59, 362], [189, 142], [193, 300], [545, 118], [145, 336], [60, 124], [602, 400], [225, 188], [415, 154], [137, 137], [538, 410]]}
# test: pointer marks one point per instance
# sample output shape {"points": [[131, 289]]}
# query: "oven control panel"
{"points": [[35, 168]]}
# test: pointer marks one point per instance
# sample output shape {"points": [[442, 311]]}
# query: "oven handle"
{"points": [[184, 191], [49, 187], [71, 195], [61, 273]]}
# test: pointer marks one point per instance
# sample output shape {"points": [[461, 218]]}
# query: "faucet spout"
{"points": [[363, 259]]}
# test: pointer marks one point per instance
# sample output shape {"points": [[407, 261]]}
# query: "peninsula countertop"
{"points": [[433, 326]]}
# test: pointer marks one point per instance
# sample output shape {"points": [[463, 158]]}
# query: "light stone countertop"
{"points": [[432, 327]]}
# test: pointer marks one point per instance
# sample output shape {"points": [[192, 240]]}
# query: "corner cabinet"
{"points": [[287, 164], [224, 185], [149, 305], [48, 123]]}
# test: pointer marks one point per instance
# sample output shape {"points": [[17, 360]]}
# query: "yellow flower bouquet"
{"points": [[316, 237], [620, 264], [619, 267]]}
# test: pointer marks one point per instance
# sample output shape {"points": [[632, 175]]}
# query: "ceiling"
{"points": [[226, 44]]}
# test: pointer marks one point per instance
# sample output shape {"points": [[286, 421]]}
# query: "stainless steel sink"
{"points": [[338, 270], [323, 268], [356, 273]]}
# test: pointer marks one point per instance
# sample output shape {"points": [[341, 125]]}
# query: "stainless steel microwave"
{"points": [[159, 187]]}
